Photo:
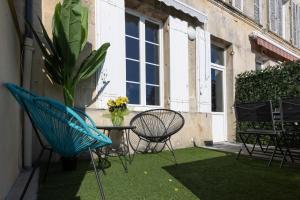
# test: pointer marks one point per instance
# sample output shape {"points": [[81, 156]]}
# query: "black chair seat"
{"points": [[156, 126]]}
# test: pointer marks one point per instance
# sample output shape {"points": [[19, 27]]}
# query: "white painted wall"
{"points": [[10, 134]]}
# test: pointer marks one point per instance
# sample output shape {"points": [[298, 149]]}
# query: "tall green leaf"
{"points": [[93, 62], [60, 55]]}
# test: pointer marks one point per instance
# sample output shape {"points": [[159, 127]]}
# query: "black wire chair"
{"points": [[155, 127], [256, 121], [290, 121]]}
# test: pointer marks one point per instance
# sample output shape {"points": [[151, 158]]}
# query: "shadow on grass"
{"points": [[61, 184], [225, 178]]}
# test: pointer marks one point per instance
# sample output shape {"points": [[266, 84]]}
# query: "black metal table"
{"points": [[123, 150]]}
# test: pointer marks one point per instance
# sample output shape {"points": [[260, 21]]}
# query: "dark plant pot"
{"points": [[208, 143], [69, 163]]}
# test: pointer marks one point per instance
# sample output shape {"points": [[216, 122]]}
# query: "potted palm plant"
{"points": [[61, 53]]}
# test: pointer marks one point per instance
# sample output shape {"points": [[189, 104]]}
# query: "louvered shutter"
{"points": [[110, 27], [298, 27], [179, 83], [257, 10], [279, 18], [203, 60], [238, 4], [295, 24], [272, 15], [275, 16]]}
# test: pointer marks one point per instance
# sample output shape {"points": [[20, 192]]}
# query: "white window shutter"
{"points": [[295, 24], [238, 4], [275, 16], [279, 19], [203, 59], [257, 10], [179, 81], [298, 27], [272, 15], [110, 27]]}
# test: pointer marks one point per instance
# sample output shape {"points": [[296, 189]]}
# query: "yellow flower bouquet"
{"points": [[118, 109]]}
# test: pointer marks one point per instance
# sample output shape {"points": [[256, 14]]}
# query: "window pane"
{"points": [[152, 95], [217, 90], [152, 53], [133, 93], [132, 48], [152, 74], [152, 32], [132, 71], [132, 25], [217, 55]]}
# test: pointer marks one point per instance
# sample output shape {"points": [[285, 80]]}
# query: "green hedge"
{"points": [[272, 83], [269, 84]]}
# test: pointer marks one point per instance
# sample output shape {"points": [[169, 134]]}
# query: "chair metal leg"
{"points": [[254, 145], [134, 151], [283, 159], [243, 144], [97, 176], [48, 164], [147, 147], [171, 149], [274, 152], [124, 163], [286, 144]]}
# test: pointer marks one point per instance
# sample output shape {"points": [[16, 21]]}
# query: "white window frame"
{"points": [[242, 5], [221, 68], [143, 106]]}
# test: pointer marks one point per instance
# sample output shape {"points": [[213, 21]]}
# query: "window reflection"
{"points": [[143, 90], [132, 71], [152, 93], [132, 48], [217, 55], [152, 74], [152, 32], [132, 25], [217, 90], [133, 92]]}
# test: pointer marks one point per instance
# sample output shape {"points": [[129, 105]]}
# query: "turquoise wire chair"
{"points": [[62, 127]]}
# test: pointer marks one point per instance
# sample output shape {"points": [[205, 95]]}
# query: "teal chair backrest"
{"points": [[64, 129]]}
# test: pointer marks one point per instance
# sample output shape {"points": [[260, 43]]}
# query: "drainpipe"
{"points": [[27, 63]]}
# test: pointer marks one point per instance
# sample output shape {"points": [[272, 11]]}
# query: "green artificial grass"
{"points": [[201, 174]]}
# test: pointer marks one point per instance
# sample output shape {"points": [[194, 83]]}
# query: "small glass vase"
{"points": [[117, 120]]}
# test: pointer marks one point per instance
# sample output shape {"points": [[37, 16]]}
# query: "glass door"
{"points": [[218, 93]]}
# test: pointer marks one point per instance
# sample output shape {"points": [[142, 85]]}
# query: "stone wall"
{"points": [[227, 27]]}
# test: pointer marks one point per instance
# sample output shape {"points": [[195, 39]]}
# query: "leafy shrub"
{"points": [[271, 83]]}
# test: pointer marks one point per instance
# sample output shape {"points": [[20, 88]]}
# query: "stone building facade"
{"points": [[202, 45], [177, 54]]}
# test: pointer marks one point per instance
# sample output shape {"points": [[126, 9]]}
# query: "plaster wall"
{"points": [[233, 30], [197, 127], [10, 134]]}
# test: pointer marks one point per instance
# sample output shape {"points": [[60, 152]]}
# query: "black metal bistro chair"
{"points": [[255, 121], [290, 121], [156, 127]]}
